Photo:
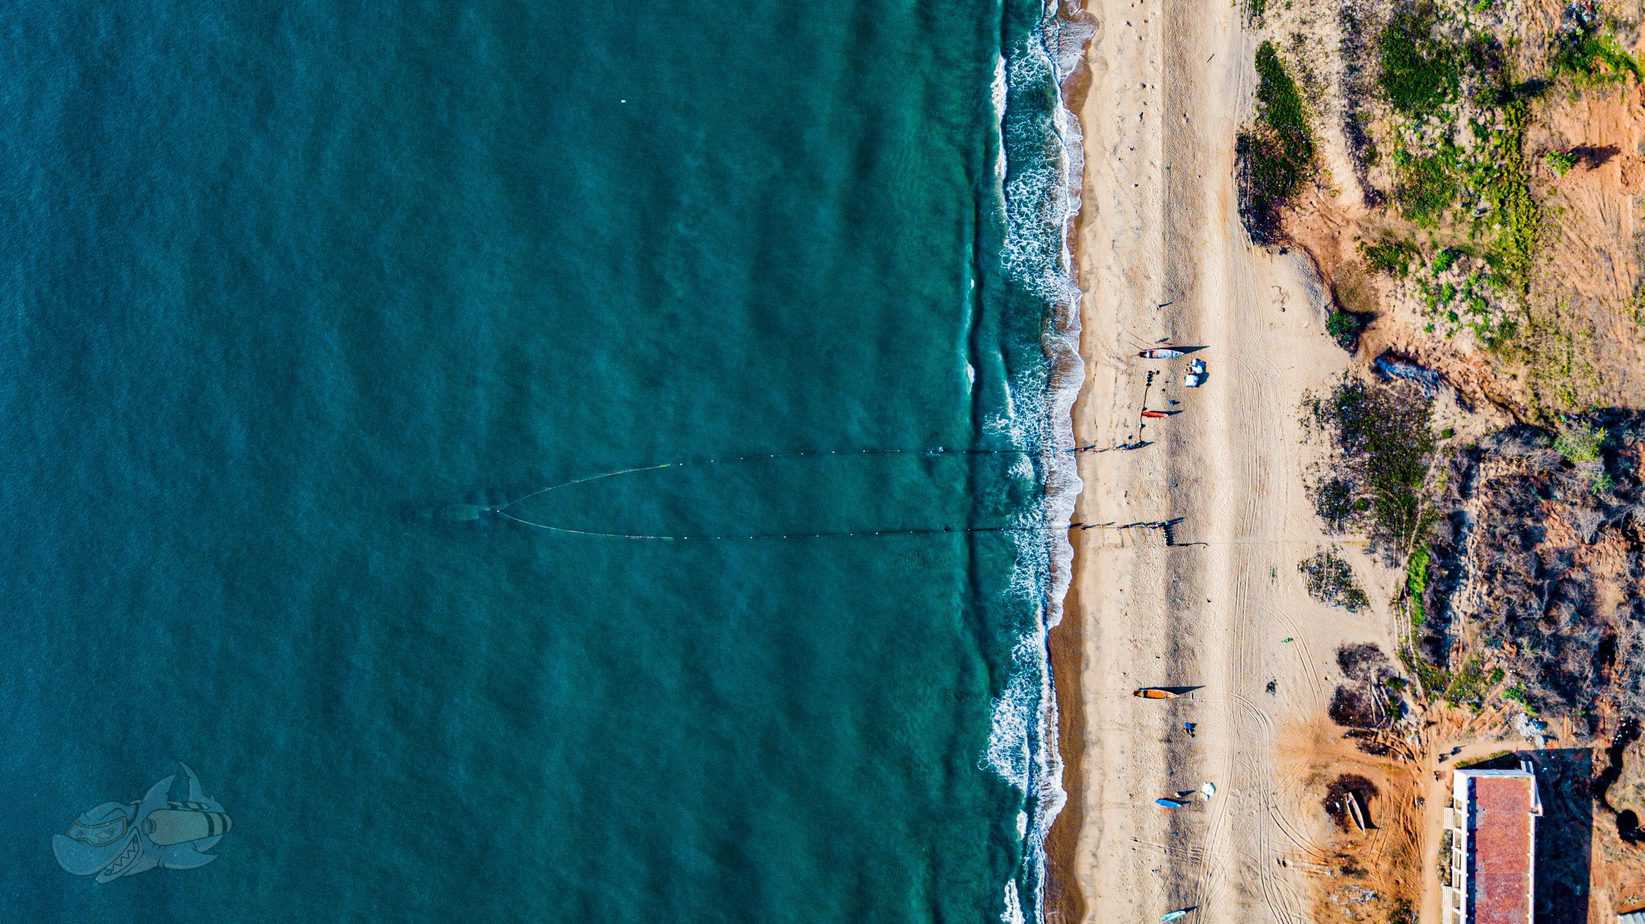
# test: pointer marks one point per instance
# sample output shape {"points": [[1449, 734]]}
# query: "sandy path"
{"points": [[1170, 82]]}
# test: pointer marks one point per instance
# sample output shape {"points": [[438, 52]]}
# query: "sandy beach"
{"points": [[1162, 258]]}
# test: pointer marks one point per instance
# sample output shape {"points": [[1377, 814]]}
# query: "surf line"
{"points": [[472, 512]]}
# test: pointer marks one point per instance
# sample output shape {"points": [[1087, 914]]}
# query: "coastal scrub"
{"points": [[1275, 155], [1330, 580], [1383, 444]]}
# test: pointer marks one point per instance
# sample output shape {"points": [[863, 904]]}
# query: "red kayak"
{"points": [[1157, 415]]}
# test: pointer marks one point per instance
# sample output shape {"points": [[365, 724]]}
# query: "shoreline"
{"points": [[1065, 900]]}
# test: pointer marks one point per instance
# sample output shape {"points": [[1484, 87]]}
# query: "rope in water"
{"points": [[502, 509]]}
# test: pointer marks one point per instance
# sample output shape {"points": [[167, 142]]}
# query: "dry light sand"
{"points": [[1162, 256]]}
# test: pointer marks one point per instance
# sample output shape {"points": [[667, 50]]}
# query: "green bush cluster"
{"points": [[1277, 153], [1579, 442], [1425, 185], [1330, 580], [1416, 583], [1389, 256], [1420, 72], [1384, 445], [1592, 58]]}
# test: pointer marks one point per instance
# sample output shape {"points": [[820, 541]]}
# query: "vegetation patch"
{"points": [[1468, 685], [1420, 71], [1416, 584], [1505, 187], [1276, 154], [1579, 443], [1330, 580], [1383, 445], [1389, 255], [1592, 57], [1425, 185]]}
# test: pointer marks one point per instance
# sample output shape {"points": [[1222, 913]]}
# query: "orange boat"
{"points": [[1154, 693]]}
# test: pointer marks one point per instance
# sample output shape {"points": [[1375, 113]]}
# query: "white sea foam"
{"points": [[999, 116], [1013, 905], [1040, 204]]}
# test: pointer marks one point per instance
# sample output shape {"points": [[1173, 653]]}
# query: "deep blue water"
{"points": [[283, 280]]}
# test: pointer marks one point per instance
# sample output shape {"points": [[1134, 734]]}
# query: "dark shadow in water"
{"points": [[1564, 833]]}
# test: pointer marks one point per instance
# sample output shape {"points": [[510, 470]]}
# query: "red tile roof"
{"points": [[1500, 877]]}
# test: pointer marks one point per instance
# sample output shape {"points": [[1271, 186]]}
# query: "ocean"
{"points": [[297, 295]]}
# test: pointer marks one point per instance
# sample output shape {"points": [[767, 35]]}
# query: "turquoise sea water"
{"points": [[283, 280]]}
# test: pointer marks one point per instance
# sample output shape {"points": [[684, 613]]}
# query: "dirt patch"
{"points": [[1355, 876], [1337, 795]]}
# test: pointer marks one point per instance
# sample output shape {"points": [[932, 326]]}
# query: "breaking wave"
{"points": [[1039, 172]]}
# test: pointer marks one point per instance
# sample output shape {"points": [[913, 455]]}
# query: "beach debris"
{"points": [[1347, 801], [1208, 790], [1162, 353], [1287, 640], [1273, 687], [1356, 812], [1165, 803], [1189, 728], [1532, 728], [1390, 366], [1155, 693], [1196, 374]]}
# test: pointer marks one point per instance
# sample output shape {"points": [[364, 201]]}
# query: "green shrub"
{"points": [[1560, 162], [1277, 153], [1419, 71], [1579, 442], [1416, 583], [1330, 580], [1593, 58], [1517, 694], [1389, 256], [1343, 328], [1425, 186]]}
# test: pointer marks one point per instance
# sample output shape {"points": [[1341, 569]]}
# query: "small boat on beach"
{"points": [[1355, 810], [1165, 803], [1162, 353], [1155, 693], [1157, 415], [1175, 915]]}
